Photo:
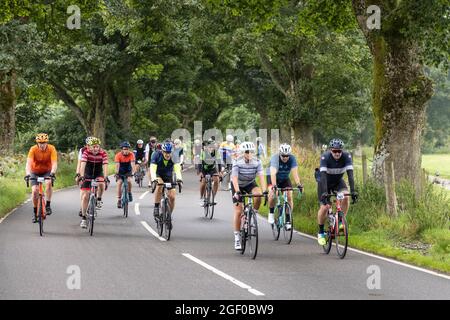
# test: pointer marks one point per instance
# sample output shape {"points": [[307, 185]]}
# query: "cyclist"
{"points": [[178, 152], [210, 164], [162, 168], [94, 165], [196, 151], [261, 149], [125, 165], [333, 165], [149, 149], [42, 160], [77, 175], [282, 165], [226, 149], [139, 155], [243, 176]]}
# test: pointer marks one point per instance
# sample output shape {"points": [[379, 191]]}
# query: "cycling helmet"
{"points": [[177, 141], [230, 138], [90, 141], [41, 137], [238, 141], [285, 149], [336, 144], [125, 144], [259, 139], [247, 146], [196, 141], [166, 147], [140, 141], [158, 146]]}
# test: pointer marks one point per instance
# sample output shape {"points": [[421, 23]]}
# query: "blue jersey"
{"points": [[164, 167], [335, 169], [283, 168]]}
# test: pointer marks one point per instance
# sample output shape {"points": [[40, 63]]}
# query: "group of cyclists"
{"points": [[163, 164]]}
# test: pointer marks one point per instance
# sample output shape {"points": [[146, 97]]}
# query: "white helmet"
{"points": [[140, 142], [247, 146], [197, 141], [177, 141], [230, 138], [259, 139], [285, 149]]}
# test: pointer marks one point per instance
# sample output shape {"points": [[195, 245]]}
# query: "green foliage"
{"points": [[239, 117]]}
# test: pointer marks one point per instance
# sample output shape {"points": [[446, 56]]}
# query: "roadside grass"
{"points": [[14, 190], [419, 235], [433, 163]]}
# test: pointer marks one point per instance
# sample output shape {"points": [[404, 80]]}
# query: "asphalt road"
{"points": [[125, 260]]}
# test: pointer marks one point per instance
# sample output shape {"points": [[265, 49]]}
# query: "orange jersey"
{"points": [[42, 160]]}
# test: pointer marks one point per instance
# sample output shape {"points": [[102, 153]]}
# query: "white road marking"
{"points": [[136, 209], [224, 275], [437, 274], [143, 195], [153, 232]]}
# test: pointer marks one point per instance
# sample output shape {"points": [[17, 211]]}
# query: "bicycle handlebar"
{"points": [[154, 185], [27, 179]]}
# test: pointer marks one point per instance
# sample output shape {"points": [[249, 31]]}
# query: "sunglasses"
{"points": [[336, 151], [285, 156], [165, 152], [249, 152]]}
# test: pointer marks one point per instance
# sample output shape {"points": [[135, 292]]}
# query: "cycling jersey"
{"points": [[334, 171], [94, 163], [139, 154], [150, 150], [41, 160], [227, 150], [246, 171], [283, 168], [80, 153], [176, 155], [163, 168], [209, 161], [124, 162]]}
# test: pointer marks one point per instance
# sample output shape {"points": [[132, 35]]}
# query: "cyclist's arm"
{"points": [[177, 169], [323, 182], [153, 168], [54, 160], [82, 168], [54, 166], [105, 170], [234, 179], [351, 180], [117, 168], [28, 166], [262, 179], [273, 175], [294, 172]]}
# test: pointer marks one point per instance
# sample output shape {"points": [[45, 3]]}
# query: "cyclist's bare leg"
{"points": [[158, 192], [237, 216], [345, 203], [35, 195], [171, 195], [271, 198], [216, 184], [101, 189], [290, 200], [48, 190], [256, 201], [119, 188], [202, 187], [322, 214], [129, 184], [84, 201]]}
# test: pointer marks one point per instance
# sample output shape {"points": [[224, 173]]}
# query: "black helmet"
{"points": [[336, 144], [125, 144]]}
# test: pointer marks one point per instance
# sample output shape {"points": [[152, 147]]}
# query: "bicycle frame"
{"points": [[41, 211], [165, 217]]}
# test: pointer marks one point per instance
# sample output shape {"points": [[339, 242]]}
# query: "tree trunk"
{"points": [[285, 134], [400, 92], [99, 117], [303, 134], [7, 111]]}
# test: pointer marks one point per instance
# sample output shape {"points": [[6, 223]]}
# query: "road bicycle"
{"points": [[283, 213], [41, 213], [125, 198], [337, 227], [209, 203], [164, 221], [249, 225], [91, 212], [140, 174]]}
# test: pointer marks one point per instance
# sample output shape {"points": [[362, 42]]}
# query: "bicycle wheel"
{"points": [[341, 237], [253, 234], [211, 204], [287, 233], [207, 202], [243, 232], [167, 221], [125, 197], [160, 221], [91, 214], [40, 216], [276, 224]]}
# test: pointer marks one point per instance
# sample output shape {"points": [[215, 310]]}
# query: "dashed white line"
{"points": [[153, 232], [136, 209], [224, 275], [143, 195], [437, 274]]}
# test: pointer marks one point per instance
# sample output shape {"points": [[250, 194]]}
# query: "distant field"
{"points": [[437, 162]]}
